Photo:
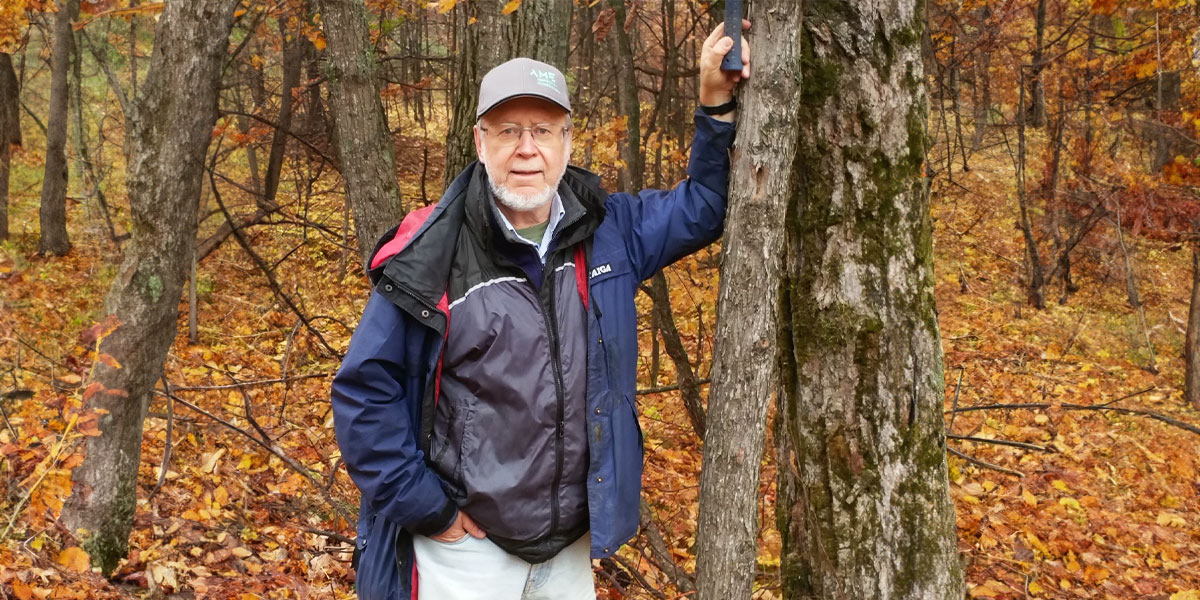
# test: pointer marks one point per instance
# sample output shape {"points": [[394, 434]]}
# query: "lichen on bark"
{"points": [[864, 506]]}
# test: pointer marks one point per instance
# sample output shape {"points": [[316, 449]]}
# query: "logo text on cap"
{"points": [[545, 78]]}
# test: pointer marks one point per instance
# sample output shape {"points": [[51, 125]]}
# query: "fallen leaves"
{"points": [[1114, 511], [75, 558]]}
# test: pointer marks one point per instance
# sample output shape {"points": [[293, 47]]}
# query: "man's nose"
{"points": [[525, 144]]}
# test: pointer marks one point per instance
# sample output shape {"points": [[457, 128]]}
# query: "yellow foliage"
{"points": [[75, 558]]}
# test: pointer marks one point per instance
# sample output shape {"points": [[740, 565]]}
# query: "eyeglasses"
{"points": [[544, 134]]}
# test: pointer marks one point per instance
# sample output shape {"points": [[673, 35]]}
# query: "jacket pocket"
{"points": [[450, 429]]}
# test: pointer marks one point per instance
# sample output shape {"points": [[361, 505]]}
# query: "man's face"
{"points": [[524, 167]]}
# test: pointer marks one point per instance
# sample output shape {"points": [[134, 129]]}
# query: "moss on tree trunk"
{"points": [[864, 504]]}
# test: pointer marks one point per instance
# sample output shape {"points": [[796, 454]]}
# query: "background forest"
{"points": [[1062, 158]]}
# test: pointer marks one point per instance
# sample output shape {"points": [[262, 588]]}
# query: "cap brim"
{"points": [[483, 111]]}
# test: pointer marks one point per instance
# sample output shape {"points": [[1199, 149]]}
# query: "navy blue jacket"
{"points": [[383, 392]]}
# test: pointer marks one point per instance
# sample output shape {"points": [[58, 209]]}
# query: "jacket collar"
{"points": [[422, 265]]}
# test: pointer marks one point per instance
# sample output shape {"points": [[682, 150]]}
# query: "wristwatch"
{"points": [[720, 109]]}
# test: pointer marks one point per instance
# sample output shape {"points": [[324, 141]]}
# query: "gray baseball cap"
{"points": [[522, 77]]}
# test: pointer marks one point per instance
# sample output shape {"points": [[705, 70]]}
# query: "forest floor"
{"points": [[254, 503]]}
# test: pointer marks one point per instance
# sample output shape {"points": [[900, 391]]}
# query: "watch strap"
{"points": [[720, 109]]}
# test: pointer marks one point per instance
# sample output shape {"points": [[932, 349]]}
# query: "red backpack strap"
{"points": [[581, 274]]}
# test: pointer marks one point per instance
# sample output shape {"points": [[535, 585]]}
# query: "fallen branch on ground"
{"points": [[999, 442], [984, 464]]}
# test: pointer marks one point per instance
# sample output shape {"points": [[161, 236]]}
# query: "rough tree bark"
{"points": [[744, 355], [167, 138], [53, 212], [367, 154], [543, 32], [864, 506], [10, 131]]}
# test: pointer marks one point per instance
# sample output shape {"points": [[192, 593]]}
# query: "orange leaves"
{"points": [[88, 424], [92, 336], [13, 21], [21, 590], [318, 40], [75, 558], [1104, 7]]}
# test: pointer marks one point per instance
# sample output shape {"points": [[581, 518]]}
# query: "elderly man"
{"points": [[485, 407]]}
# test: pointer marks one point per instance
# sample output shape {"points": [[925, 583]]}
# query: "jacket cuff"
{"points": [[437, 523], [708, 162]]}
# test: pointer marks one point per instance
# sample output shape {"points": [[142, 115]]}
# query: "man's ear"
{"points": [[478, 143]]}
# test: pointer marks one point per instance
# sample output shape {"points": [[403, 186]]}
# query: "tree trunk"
{"points": [[685, 375], [1191, 347], [167, 141], [293, 53], [53, 212], [252, 80], [864, 509], [744, 354], [5, 167], [1036, 276], [85, 166], [367, 153], [1037, 105], [473, 61], [1166, 138], [315, 122], [983, 80], [543, 32], [585, 88], [633, 175], [10, 131]]}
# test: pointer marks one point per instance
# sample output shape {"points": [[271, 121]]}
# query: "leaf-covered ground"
{"points": [[253, 501], [1110, 508]]}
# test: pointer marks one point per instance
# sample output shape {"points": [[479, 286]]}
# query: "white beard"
{"points": [[521, 202]]}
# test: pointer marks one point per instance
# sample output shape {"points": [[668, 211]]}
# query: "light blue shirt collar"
{"points": [[556, 214]]}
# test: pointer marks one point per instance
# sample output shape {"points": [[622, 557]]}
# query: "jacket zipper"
{"points": [[547, 308]]}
